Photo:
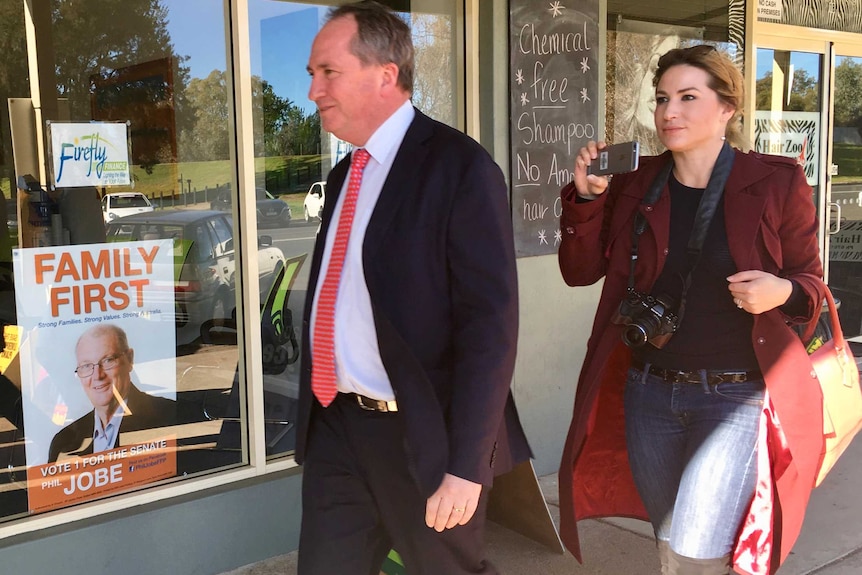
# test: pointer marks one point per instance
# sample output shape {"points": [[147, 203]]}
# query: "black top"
{"points": [[714, 333]]}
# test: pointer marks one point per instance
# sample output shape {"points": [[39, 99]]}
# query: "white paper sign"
{"points": [[770, 10], [90, 154]]}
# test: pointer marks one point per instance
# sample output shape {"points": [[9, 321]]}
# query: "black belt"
{"points": [[713, 377], [371, 404]]}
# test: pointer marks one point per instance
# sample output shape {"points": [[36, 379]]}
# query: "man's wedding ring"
{"points": [[458, 509], [738, 302]]}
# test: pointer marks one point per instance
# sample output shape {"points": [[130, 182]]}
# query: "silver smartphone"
{"points": [[616, 159]]}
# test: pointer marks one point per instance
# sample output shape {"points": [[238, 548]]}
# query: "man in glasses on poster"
{"points": [[104, 368]]}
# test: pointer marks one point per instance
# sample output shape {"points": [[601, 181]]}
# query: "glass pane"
{"points": [[788, 103], [136, 109], [845, 246], [295, 157]]}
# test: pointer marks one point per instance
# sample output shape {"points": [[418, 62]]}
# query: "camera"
{"points": [[647, 319]]}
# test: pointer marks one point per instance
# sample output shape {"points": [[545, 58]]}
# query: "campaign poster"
{"points": [[98, 368], [90, 154]]}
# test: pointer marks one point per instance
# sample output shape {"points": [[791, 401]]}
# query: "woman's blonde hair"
{"points": [[725, 79]]}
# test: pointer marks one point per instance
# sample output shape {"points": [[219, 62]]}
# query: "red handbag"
{"points": [[842, 399]]}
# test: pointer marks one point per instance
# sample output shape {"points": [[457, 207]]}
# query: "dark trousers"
{"points": [[359, 501]]}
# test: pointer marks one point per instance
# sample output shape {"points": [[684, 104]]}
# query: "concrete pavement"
{"points": [[830, 543]]}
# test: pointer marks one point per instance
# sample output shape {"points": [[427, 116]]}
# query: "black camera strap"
{"points": [[702, 219]]}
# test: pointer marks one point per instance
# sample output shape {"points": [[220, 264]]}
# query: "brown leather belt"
{"points": [[713, 377], [371, 404]]}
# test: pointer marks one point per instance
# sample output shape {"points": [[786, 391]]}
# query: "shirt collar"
{"points": [[387, 138], [97, 424]]}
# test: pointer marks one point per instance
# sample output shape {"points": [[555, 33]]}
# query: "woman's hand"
{"points": [[590, 186], [757, 291]]}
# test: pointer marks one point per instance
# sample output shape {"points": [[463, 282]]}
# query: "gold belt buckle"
{"points": [[371, 404]]}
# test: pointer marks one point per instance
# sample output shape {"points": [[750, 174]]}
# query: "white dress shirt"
{"points": [[358, 366]]}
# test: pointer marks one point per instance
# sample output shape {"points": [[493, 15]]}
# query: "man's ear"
{"points": [[389, 79], [131, 353]]}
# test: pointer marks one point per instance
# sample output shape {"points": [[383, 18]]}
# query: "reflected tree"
{"points": [[94, 51], [433, 89], [848, 93], [14, 77], [287, 130], [804, 94]]}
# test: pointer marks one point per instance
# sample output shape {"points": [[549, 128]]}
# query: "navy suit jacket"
{"points": [[440, 268]]}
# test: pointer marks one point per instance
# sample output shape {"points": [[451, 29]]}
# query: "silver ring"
{"points": [[458, 509], [738, 302]]}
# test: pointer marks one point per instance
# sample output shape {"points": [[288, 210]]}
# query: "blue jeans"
{"points": [[693, 453]]}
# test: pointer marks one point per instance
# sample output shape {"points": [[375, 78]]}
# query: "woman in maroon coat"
{"points": [[707, 420]]}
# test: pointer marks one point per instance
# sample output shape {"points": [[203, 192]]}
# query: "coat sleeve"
{"points": [[583, 226], [484, 295], [800, 251]]}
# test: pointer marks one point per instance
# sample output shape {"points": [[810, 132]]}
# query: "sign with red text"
{"points": [[97, 353]]}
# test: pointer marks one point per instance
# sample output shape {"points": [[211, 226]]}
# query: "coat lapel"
{"points": [[747, 205], [404, 175]]}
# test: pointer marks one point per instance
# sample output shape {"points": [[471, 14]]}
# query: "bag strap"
{"points": [[703, 218], [837, 335]]}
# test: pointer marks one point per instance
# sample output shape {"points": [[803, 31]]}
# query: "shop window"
{"points": [[146, 86], [295, 156]]}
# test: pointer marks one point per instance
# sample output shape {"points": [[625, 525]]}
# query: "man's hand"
{"points": [[454, 503]]}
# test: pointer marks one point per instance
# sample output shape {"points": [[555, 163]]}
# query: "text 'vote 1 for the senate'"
{"points": [[554, 80]]}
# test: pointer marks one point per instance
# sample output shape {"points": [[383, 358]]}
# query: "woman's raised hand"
{"points": [[590, 186]]}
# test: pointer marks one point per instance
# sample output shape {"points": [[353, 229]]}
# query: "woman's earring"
{"points": [[723, 138]]}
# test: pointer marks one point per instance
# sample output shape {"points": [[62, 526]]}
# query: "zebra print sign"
{"points": [[791, 134], [838, 15]]}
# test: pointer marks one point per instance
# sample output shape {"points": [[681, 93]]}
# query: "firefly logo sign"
{"points": [[91, 154]]}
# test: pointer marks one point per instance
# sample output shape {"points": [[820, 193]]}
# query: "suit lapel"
{"points": [[402, 176]]}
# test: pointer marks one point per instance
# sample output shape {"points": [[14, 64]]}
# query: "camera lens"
{"points": [[634, 335]]}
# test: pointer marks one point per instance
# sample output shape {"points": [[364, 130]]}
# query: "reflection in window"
{"points": [[296, 156], [161, 68]]}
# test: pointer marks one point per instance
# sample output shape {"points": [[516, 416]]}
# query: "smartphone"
{"points": [[616, 159]]}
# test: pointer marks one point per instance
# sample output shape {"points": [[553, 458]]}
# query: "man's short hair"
{"points": [[383, 38], [106, 328]]}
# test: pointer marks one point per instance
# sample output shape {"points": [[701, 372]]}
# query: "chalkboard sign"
{"points": [[554, 110]]}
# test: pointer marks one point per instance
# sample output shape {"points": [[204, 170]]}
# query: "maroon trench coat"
{"points": [[771, 225]]}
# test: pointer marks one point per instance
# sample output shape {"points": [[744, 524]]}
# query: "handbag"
{"points": [[842, 399]]}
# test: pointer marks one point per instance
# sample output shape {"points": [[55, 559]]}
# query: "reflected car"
{"points": [[122, 204], [271, 211], [204, 262], [314, 199]]}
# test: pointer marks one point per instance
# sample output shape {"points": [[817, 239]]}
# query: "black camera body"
{"points": [[647, 319]]}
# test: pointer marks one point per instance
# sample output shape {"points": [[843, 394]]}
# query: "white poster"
{"points": [[98, 368], [89, 154]]}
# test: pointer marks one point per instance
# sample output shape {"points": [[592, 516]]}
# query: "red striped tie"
{"points": [[323, 352]]}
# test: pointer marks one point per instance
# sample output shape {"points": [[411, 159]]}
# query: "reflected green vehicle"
{"points": [[204, 263]]}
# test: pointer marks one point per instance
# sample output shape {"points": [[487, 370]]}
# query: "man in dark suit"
{"points": [[405, 413], [105, 363]]}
